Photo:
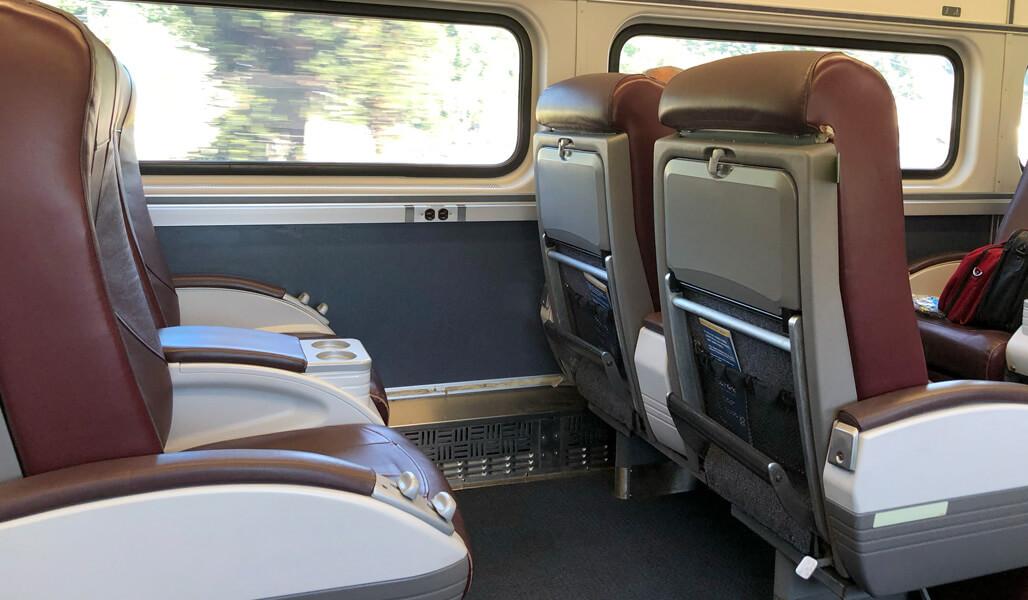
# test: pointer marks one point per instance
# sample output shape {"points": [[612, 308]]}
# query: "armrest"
{"points": [[199, 344], [229, 307], [229, 282], [329, 524], [143, 474], [928, 276], [937, 259], [654, 322], [902, 404]]}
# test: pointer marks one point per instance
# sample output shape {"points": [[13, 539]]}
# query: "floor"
{"points": [[570, 539]]}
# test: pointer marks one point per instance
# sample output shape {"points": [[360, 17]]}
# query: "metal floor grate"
{"points": [[507, 449]]}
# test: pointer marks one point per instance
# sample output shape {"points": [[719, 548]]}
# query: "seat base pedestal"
{"points": [[641, 471]]}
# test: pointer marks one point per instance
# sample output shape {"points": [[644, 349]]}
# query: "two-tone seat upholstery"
{"points": [[211, 300], [800, 376], [955, 351], [594, 190], [199, 299], [88, 406]]}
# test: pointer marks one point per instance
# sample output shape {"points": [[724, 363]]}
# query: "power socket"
{"points": [[426, 213]]}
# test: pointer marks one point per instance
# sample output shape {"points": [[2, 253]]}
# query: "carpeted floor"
{"points": [[570, 539]]}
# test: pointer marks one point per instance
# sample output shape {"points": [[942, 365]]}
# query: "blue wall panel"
{"points": [[432, 302]]}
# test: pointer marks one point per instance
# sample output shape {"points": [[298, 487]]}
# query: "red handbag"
{"points": [[966, 286]]}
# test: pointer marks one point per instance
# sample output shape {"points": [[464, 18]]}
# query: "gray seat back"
{"points": [[783, 301], [593, 166]]}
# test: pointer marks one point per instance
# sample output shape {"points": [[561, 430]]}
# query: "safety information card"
{"points": [[731, 411], [720, 344]]}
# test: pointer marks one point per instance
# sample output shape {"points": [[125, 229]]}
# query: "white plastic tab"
{"points": [[304, 298], [654, 386], [322, 309], [1017, 347], [409, 485], [806, 567], [445, 505]]}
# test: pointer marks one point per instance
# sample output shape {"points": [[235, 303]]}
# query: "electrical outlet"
{"points": [[432, 213]]}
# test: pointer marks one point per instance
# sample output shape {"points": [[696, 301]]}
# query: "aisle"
{"points": [[570, 539]]}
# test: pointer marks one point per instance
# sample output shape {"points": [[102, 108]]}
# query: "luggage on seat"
{"points": [[781, 229], [967, 286], [1002, 302], [953, 350], [982, 303]]}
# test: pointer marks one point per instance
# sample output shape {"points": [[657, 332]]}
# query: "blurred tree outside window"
{"points": [[923, 85], [234, 84]]}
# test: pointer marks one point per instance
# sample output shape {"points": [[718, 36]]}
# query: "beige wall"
{"points": [[980, 11], [575, 36]]}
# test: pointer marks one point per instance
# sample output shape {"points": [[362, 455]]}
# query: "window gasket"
{"points": [[843, 43], [354, 9]]}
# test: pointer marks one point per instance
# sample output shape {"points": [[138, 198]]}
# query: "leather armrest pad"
{"points": [[142, 474], [207, 344], [654, 322], [937, 259], [911, 402], [229, 282]]}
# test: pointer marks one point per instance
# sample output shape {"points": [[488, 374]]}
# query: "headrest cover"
{"points": [[766, 92], [662, 74], [590, 103]]}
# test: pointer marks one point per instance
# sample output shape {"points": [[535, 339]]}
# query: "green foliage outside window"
{"points": [[923, 84], [288, 86]]}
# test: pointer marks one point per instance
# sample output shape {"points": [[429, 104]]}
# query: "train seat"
{"points": [[201, 299], [798, 368], [955, 351], [209, 300], [89, 405], [594, 192], [226, 382]]}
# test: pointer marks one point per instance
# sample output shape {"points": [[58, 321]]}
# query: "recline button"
{"points": [[409, 485], [445, 505]]}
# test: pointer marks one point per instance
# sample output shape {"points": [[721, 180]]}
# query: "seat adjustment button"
{"points": [[409, 485], [445, 505]]}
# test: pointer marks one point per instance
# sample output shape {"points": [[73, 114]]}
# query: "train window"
{"points": [[235, 89], [926, 80], [1022, 127]]}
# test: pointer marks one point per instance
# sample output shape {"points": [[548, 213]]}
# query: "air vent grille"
{"points": [[505, 449]]}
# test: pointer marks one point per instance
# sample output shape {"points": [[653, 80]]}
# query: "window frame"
{"points": [[676, 31], [1020, 122], [371, 169]]}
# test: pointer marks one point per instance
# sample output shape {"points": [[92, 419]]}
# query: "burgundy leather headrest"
{"points": [[663, 74], [765, 92], [617, 103], [593, 102]]}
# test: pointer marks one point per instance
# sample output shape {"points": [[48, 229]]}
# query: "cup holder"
{"points": [[336, 355], [331, 344]]}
